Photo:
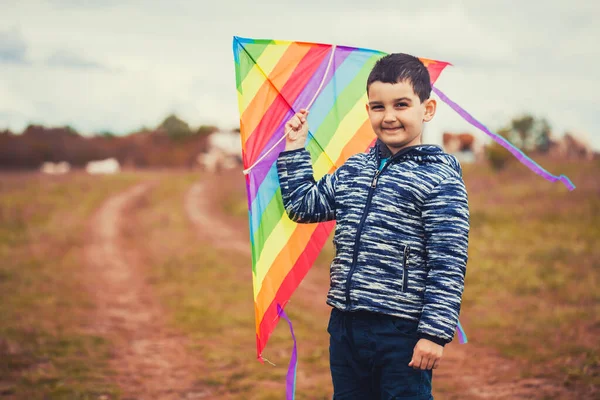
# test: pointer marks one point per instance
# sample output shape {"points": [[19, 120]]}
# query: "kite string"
{"points": [[532, 165], [317, 92]]}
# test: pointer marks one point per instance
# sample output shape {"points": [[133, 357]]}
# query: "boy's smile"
{"points": [[397, 114]]}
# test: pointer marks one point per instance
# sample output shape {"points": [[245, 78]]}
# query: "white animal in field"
{"points": [[58, 168], [108, 166], [224, 151]]}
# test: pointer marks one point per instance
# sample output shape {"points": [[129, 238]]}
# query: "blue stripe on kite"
{"points": [[265, 193], [236, 50], [238, 46], [344, 75], [347, 63], [324, 103], [302, 99]]}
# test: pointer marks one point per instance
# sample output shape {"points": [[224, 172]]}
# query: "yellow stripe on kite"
{"points": [[266, 290], [343, 134], [256, 77], [270, 89], [276, 241]]}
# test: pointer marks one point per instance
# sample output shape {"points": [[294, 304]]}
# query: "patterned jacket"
{"points": [[401, 233]]}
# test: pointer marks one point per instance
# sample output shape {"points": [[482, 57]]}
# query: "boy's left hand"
{"points": [[426, 355]]}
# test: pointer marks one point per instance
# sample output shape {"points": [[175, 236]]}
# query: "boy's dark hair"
{"points": [[399, 67]]}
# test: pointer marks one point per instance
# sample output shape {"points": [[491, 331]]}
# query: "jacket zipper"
{"points": [[357, 240], [360, 227], [405, 269], [364, 217]]}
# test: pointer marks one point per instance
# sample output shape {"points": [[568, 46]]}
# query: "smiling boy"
{"points": [[401, 239]]}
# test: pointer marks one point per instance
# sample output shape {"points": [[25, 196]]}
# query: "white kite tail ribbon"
{"points": [[317, 92]]}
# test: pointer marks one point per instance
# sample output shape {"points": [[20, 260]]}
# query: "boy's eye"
{"points": [[401, 104], [377, 107]]}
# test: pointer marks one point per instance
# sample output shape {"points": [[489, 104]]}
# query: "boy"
{"points": [[402, 225]]}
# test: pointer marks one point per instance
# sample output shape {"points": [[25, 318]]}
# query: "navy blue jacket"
{"points": [[401, 233]]}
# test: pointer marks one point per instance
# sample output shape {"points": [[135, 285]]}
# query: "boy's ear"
{"points": [[430, 107]]}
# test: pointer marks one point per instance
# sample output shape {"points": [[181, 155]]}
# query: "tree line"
{"points": [[173, 143]]}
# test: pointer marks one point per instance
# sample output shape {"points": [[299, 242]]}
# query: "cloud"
{"points": [[87, 4], [13, 48], [176, 56], [70, 59]]}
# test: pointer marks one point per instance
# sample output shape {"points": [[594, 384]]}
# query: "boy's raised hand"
{"points": [[298, 128], [426, 355]]}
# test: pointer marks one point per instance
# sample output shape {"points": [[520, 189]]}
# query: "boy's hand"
{"points": [[426, 355], [298, 128]]}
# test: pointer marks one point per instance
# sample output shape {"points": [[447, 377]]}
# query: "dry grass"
{"points": [[532, 281], [531, 291], [46, 350], [209, 293]]}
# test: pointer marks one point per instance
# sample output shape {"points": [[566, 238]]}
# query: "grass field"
{"points": [[532, 284], [46, 349], [531, 291], [534, 260]]}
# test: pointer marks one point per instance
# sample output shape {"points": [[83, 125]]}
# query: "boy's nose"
{"points": [[389, 117]]}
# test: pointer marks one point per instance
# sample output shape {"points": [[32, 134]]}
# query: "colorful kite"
{"points": [[274, 80]]}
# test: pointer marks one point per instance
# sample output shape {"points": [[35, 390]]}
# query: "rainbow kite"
{"points": [[274, 80]]}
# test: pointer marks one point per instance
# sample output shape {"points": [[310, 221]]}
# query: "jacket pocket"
{"points": [[405, 268]]}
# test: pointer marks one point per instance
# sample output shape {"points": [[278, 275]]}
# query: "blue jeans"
{"points": [[369, 355]]}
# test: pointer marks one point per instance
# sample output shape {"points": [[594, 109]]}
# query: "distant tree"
{"points": [[71, 131], [496, 154], [529, 134], [107, 134], [525, 132], [175, 127], [142, 128], [520, 130], [207, 129], [542, 141]]}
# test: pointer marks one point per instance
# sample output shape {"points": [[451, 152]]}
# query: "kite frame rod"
{"points": [[318, 91]]}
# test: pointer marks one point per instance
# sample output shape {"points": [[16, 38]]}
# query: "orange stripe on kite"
{"points": [[284, 263], [359, 143], [270, 318], [273, 117], [269, 89]]}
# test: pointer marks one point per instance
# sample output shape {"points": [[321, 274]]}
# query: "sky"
{"points": [[107, 65]]}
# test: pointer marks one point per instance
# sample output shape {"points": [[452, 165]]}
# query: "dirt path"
{"points": [[151, 360], [227, 234], [212, 226], [475, 372]]}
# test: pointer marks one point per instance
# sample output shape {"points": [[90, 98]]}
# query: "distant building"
{"points": [[224, 151], [464, 146], [108, 166], [58, 168]]}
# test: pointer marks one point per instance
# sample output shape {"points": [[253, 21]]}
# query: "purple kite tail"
{"points": [[532, 165], [290, 387], [462, 336]]}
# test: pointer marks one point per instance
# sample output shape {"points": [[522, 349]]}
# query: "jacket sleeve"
{"points": [[305, 200], [446, 222]]}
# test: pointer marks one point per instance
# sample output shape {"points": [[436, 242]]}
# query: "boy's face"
{"points": [[397, 114]]}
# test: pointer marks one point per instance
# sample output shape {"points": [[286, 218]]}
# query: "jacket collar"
{"points": [[383, 150]]}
